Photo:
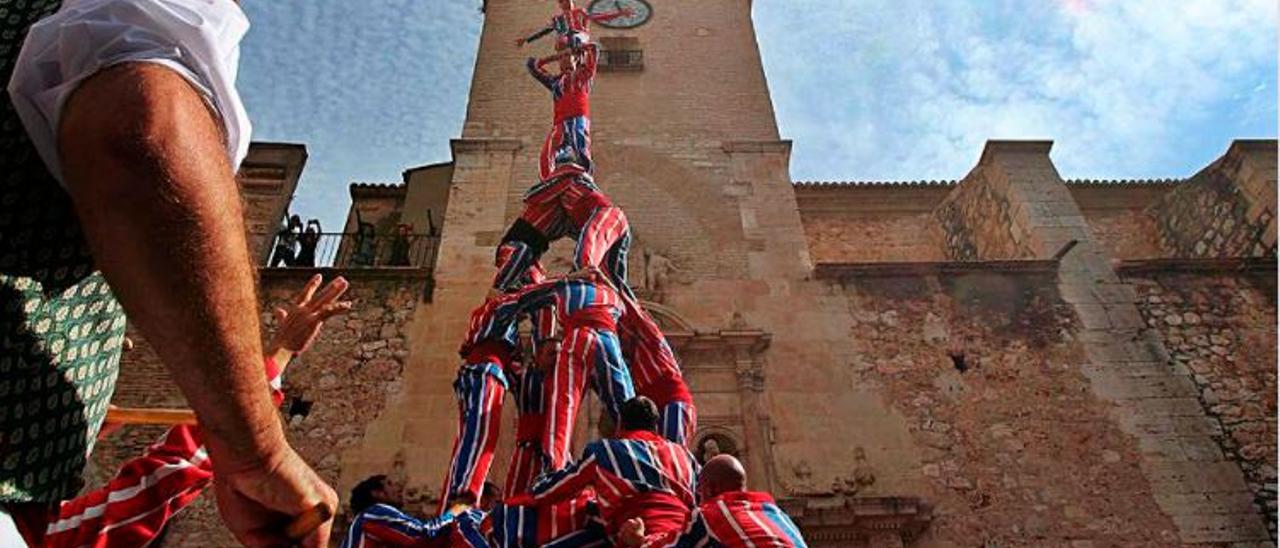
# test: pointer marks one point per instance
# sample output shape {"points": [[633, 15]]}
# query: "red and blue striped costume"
{"points": [[135, 505], [638, 475], [488, 352], [529, 393], [566, 207], [571, 27], [736, 519], [383, 525], [567, 148], [588, 312], [574, 523], [656, 373]]}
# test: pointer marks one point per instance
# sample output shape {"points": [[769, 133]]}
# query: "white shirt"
{"points": [[198, 39]]}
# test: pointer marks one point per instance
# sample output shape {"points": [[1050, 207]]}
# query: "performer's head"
{"points": [[721, 474], [566, 5], [567, 62], [490, 496], [373, 490], [639, 413]]}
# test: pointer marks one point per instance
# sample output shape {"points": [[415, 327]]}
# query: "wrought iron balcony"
{"points": [[353, 250]]}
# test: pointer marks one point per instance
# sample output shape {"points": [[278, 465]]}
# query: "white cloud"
{"points": [[1124, 87]]}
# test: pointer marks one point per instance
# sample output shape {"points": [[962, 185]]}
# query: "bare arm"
{"points": [[146, 168]]}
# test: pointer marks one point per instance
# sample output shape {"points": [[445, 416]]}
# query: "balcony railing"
{"points": [[355, 250]]}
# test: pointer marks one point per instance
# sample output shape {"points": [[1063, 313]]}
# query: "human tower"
{"points": [[639, 486]]}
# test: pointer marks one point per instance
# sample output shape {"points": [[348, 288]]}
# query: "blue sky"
{"points": [[867, 89]]}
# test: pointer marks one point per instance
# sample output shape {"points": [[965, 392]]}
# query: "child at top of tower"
{"points": [[567, 148], [570, 25]]}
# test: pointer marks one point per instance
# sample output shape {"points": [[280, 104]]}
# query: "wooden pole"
{"points": [[169, 417]]}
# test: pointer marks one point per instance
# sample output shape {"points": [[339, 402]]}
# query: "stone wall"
{"points": [[1221, 326], [976, 219], [1125, 233], [865, 222], [1013, 447], [1226, 210], [342, 383]]}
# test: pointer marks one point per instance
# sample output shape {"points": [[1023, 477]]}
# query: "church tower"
{"points": [[686, 142]]}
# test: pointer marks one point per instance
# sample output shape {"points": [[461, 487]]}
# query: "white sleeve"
{"points": [[198, 39]]}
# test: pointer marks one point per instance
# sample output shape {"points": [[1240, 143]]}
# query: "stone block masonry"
{"points": [[1220, 326], [1225, 210]]}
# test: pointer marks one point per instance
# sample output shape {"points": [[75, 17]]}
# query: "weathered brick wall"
{"points": [[865, 238], [1125, 233], [1222, 327], [347, 376], [1226, 210], [1015, 451]]}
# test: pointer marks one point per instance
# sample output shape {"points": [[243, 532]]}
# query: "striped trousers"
{"points": [[570, 524], [677, 421], [604, 242], [527, 458], [585, 352], [567, 144], [480, 388]]}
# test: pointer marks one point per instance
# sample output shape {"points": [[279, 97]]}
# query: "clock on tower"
{"points": [[640, 12]]}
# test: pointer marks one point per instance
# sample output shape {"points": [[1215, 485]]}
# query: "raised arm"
{"points": [[565, 483], [154, 191], [387, 526], [535, 36], [535, 70], [590, 57]]}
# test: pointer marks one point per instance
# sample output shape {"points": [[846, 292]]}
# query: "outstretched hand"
{"points": [[299, 322], [631, 533]]}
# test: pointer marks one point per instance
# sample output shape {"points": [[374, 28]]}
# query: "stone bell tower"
{"points": [[685, 140]]}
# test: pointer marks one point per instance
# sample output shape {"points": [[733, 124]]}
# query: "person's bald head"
{"points": [[721, 474]]}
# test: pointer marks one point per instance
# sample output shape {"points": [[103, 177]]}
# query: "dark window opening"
{"points": [[298, 407], [621, 53], [957, 360]]}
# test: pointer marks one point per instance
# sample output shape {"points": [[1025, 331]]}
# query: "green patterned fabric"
{"points": [[60, 327]]}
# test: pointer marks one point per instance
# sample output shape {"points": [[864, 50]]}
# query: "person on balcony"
{"points": [[307, 243], [287, 242], [400, 245]]}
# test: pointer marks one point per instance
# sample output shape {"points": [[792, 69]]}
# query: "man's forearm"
{"points": [[160, 208]]}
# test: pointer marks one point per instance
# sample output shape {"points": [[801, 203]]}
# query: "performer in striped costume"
{"points": [[571, 24], [638, 474], [134, 506], [574, 523], [588, 310], [488, 351], [567, 148], [656, 373], [566, 207], [379, 522], [729, 516]]}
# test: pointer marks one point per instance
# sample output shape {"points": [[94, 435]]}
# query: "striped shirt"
{"points": [[740, 519], [639, 474]]}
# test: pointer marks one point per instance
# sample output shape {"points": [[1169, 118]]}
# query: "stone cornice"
{"points": [[757, 147], [857, 519], [484, 145], [933, 268], [1211, 265]]}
